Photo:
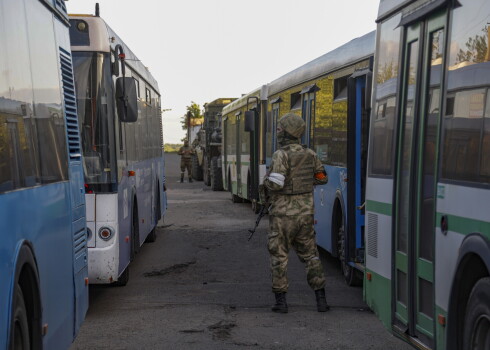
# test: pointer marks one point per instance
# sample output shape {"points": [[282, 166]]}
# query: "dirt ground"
{"points": [[202, 285]]}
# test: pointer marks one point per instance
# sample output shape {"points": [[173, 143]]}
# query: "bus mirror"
{"points": [[126, 100], [368, 90], [249, 121]]}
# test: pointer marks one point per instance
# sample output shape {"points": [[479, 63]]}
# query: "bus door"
{"points": [[413, 282], [252, 126], [238, 160], [225, 152], [357, 143]]}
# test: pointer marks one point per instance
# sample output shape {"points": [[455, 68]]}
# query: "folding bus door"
{"points": [[415, 180]]}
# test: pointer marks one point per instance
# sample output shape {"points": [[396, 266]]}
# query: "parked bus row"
{"points": [[399, 119], [81, 168], [329, 93]]}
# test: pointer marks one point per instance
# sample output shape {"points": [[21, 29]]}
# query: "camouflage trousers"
{"points": [[185, 163], [293, 231]]}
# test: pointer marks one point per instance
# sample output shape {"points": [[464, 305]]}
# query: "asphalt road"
{"points": [[202, 285]]}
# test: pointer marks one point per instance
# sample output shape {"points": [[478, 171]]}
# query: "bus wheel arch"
{"points": [[473, 265], [135, 228], [26, 286], [339, 230], [152, 236]]}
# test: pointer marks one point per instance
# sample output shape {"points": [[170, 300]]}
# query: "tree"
{"points": [[476, 49], [194, 111]]}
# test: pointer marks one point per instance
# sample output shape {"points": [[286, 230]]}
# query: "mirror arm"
{"points": [[122, 56]]}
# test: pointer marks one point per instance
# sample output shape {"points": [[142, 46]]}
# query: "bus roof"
{"points": [[355, 50], [261, 93], [104, 39]]}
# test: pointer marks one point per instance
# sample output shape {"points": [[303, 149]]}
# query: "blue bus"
{"points": [[43, 240], [120, 122]]}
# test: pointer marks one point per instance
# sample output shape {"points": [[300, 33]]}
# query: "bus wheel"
{"points": [[123, 279], [21, 339], [351, 275], [216, 177], [152, 236], [477, 319]]}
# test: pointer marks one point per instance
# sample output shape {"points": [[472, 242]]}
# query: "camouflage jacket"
{"points": [[296, 204], [186, 152]]}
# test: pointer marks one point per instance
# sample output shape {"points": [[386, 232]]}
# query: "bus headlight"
{"points": [[106, 233], [89, 234]]}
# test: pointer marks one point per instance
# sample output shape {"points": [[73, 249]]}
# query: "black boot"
{"points": [[321, 301], [280, 306], [181, 178]]}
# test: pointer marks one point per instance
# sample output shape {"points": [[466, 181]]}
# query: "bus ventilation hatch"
{"points": [[372, 243], [74, 147]]}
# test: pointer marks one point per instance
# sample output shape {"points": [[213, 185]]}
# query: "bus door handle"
{"points": [[361, 207]]}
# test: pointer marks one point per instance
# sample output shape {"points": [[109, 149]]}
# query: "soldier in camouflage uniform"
{"points": [[293, 173], [185, 153]]}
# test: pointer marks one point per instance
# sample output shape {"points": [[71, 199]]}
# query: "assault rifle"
{"points": [[262, 213]]}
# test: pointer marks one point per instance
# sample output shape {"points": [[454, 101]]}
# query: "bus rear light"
{"points": [[88, 190], [369, 276], [106, 233], [86, 281]]}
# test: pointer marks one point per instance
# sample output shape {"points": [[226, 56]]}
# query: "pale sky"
{"points": [[201, 50]]}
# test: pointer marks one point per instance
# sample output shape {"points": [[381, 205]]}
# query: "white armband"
{"points": [[277, 179]]}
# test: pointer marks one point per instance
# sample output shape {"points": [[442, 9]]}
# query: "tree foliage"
{"points": [[476, 49], [172, 147], [195, 113]]}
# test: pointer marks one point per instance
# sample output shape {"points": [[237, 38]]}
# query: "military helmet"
{"points": [[293, 124]]}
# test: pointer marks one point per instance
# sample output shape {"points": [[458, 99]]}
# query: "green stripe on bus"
{"points": [[379, 207], [464, 225], [378, 296]]}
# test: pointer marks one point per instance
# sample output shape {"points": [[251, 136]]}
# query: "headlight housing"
{"points": [[106, 233]]}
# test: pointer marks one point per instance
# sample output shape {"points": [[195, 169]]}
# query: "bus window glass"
{"points": [[426, 242], [465, 128], [95, 114], [385, 81], [49, 115], [485, 156], [330, 125], [407, 148]]}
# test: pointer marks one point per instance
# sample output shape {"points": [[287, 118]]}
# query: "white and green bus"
{"points": [[428, 186]]}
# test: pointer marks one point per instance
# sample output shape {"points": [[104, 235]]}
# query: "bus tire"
{"points": [[216, 177], [196, 169], [351, 275], [123, 279], [476, 333], [20, 324], [206, 173], [152, 236]]}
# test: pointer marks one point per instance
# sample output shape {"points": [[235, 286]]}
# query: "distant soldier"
{"points": [[293, 173], [185, 153]]}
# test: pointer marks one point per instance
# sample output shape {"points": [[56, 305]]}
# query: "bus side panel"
{"points": [[377, 277], [125, 202], [325, 197], [40, 216]]}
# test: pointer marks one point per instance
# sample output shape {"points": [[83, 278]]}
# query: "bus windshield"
{"points": [[95, 116]]}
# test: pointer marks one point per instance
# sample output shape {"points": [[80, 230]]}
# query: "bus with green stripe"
{"points": [[427, 248]]}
